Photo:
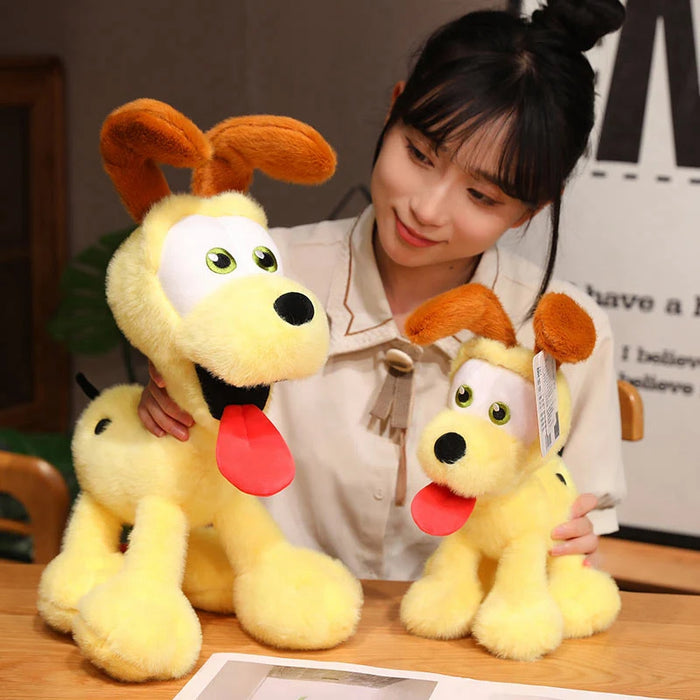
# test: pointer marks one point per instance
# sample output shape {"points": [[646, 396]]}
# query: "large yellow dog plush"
{"points": [[495, 492], [199, 289]]}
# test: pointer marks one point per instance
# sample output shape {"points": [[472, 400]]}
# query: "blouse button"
{"points": [[399, 360], [379, 494]]}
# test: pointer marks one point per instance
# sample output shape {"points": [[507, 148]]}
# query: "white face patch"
{"points": [[497, 395], [203, 253]]}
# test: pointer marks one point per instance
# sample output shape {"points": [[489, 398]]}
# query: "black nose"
{"points": [[294, 308], [450, 447]]}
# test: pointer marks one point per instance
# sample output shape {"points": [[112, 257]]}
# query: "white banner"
{"points": [[630, 238]]}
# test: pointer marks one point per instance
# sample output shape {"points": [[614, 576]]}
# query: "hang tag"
{"points": [[544, 369]]}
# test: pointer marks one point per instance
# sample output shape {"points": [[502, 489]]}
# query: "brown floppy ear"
{"points": [[136, 138], [472, 307], [282, 147], [563, 329]]}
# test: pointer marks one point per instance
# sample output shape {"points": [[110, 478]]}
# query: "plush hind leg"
{"points": [[138, 625], [208, 582], [588, 599], [88, 557]]}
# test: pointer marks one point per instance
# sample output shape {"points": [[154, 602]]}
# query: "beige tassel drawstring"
{"points": [[394, 404]]}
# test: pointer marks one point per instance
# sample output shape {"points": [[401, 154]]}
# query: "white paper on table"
{"points": [[251, 677]]}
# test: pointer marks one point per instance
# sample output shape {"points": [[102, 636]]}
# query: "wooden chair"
{"points": [[41, 489], [631, 411], [641, 566]]}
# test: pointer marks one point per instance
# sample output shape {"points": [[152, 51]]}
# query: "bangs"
{"points": [[469, 114]]}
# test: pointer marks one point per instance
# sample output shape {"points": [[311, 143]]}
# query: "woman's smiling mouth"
{"points": [[409, 236]]}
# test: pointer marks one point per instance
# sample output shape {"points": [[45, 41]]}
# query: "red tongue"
{"points": [[438, 511], [251, 453]]}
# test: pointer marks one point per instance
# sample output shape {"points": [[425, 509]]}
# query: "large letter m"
{"points": [[621, 132]]}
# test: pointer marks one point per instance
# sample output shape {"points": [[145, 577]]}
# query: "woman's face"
{"points": [[431, 207]]}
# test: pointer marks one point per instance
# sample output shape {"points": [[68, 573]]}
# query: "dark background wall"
{"points": [[332, 64]]}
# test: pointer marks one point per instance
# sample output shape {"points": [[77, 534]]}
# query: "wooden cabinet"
{"points": [[33, 368]]}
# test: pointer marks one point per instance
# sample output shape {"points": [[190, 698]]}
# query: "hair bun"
{"points": [[582, 21]]}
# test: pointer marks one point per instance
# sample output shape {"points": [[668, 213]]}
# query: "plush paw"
{"points": [[440, 607], [66, 579], [523, 630], [297, 599], [137, 630], [589, 600]]}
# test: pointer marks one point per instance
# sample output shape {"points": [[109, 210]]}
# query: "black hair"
{"points": [[527, 76]]}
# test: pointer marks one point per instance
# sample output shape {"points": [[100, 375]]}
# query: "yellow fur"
{"points": [[531, 601], [128, 613], [240, 347]]}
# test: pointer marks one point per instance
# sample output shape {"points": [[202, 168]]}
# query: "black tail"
{"points": [[90, 390]]}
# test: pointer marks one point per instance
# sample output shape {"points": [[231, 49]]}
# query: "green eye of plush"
{"points": [[464, 396], [499, 413], [220, 261], [265, 259]]}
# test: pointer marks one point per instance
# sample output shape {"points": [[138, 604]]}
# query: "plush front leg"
{"points": [[589, 599], [443, 602], [285, 596], [139, 625], [296, 598], [88, 557], [519, 618]]}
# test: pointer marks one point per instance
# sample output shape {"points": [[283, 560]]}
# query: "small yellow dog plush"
{"points": [[494, 493], [199, 289]]}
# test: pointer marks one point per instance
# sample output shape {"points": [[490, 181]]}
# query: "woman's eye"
{"points": [[499, 413], [220, 261], [265, 259], [464, 396], [417, 154], [481, 197]]}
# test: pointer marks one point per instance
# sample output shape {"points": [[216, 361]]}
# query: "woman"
{"points": [[482, 135]]}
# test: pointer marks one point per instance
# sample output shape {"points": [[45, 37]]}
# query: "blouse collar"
{"points": [[359, 312]]}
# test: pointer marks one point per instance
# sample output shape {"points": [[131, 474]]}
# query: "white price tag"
{"points": [[544, 369]]}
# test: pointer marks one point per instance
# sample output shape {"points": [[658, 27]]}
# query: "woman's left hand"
{"points": [[576, 536]]}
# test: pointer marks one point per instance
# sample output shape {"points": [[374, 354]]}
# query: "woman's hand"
{"points": [[576, 536], [159, 414]]}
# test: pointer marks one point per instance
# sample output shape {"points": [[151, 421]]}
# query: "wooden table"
{"points": [[654, 568], [653, 649]]}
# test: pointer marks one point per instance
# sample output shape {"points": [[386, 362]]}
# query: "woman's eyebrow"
{"points": [[494, 179]]}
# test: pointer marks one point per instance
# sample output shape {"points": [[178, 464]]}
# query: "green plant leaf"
{"points": [[84, 322]]}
